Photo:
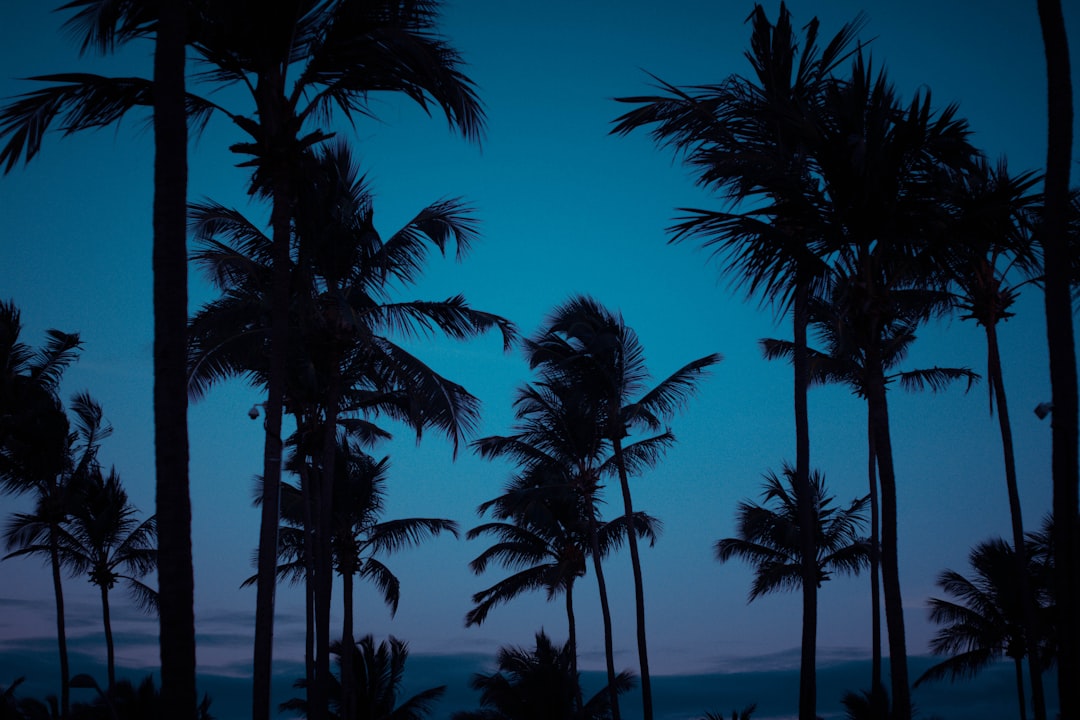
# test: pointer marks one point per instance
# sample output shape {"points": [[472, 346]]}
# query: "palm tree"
{"points": [[591, 349], [537, 684], [38, 532], [359, 537], [103, 539], [377, 678], [126, 701], [747, 139], [558, 449], [842, 361], [885, 212], [546, 548], [33, 427], [1059, 329], [342, 359], [986, 621], [769, 537], [546, 534], [345, 50], [990, 236]]}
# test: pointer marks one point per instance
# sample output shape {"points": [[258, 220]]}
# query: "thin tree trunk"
{"points": [[324, 561], [1019, 665], [1031, 633], [176, 581], [605, 613], [639, 589], [890, 566], [875, 568], [571, 631], [303, 424], [807, 525], [110, 653], [61, 628], [267, 92], [348, 686], [1062, 350]]}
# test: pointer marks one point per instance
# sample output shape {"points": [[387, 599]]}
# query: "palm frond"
{"points": [[81, 101]]}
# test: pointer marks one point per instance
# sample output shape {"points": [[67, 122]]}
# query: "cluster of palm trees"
{"points": [[990, 615], [862, 214], [865, 216], [81, 521], [574, 421]]}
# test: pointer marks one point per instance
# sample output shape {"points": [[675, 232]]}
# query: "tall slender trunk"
{"points": [[1062, 350], [639, 588], [303, 424], [61, 625], [875, 567], [324, 559], [1031, 633], [1019, 665], [807, 524], [890, 564], [571, 632], [268, 92], [605, 613], [348, 686], [176, 581], [110, 651]]}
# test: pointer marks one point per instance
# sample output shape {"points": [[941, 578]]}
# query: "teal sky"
{"points": [[565, 208]]}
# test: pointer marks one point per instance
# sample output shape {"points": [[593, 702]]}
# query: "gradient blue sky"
{"points": [[565, 209]]}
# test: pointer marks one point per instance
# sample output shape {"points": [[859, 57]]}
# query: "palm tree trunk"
{"points": [[571, 641], [348, 685], [110, 652], [176, 581], [61, 629], [1019, 664], [807, 526], [1031, 633], [268, 90], [875, 568], [639, 589], [303, 424], [894, 609], [605, 613], [1062, 349], [324, 561]]}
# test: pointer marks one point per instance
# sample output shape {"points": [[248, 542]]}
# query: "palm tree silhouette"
{"points": [[377, 678], [342, 52], [1054, 240], [344, 360], [986, 620], [747, 139], [885, 213], [769, 536], [843, 361], [359, 538], [546, 534], [127, 701], [103, 539], [537, 684], [562, 458], [591, 349], [51, 480], [990, 238]]}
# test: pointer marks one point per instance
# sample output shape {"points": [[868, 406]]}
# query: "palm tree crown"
{"points": [[768, 536]]}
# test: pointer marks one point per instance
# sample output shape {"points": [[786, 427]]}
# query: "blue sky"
{"points": [[565, 208]]}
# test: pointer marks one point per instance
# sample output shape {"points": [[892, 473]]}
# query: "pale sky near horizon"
{"points": [[565, 208]]}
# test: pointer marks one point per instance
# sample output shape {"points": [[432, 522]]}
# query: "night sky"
{"points": [[565, 208]]}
